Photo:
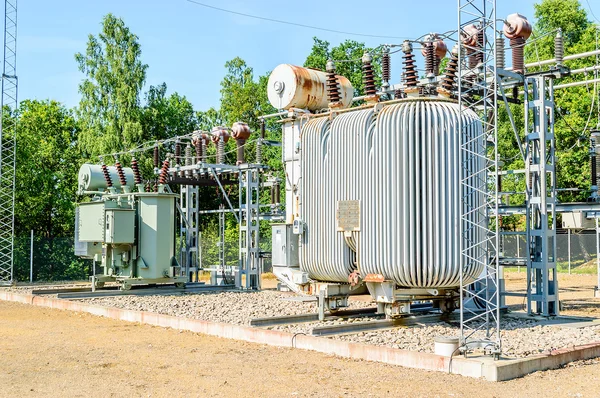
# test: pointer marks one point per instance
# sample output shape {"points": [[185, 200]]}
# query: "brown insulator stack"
{"points": [[240, 131], [164, 173], [275, 193], [107, 175], [137, 177], [440, 50], [449, 80], [517, 29], [410, 69], [470, 39], [333, 89], [198, 148], [385, 68], [480, 55], [220, 136], [156, 157], [429, 54], [121, 174], [368, 75], [178, 161]]}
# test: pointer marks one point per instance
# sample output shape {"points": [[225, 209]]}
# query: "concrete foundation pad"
{"points": [[477, 367]]}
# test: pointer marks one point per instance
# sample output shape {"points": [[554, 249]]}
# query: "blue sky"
{"points": [[186, 45]]}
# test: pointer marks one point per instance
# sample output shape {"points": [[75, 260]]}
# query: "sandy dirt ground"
{"points": [[54, 353]]}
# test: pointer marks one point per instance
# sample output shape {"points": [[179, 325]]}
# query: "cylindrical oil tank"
{"points": [[293, 86], [403, 167], [91, 177]]}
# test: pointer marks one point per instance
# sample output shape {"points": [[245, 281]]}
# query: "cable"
{"points": [[592, 11], [291, 23]]}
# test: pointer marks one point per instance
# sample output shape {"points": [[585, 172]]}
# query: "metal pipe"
{"points": [[574, 84], [566, 58], [284, 113]]}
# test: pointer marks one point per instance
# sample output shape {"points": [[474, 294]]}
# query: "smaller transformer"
{"points": [[130, 231]]}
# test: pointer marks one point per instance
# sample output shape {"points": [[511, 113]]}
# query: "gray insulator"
{"points": [[500, 52], [220, 151], [188, 159], [559, 48], [259, 151]]}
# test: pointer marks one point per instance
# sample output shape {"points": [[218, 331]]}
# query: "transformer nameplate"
{"points": [[348, 215]]}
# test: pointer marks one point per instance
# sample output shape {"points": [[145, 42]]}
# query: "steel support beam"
{"points": [[8, 147], [479, 228]]}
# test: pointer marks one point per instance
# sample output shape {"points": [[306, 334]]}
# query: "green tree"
{"points": [[575, 107], [109, 110], [46, 181], [166, 116], [350, 52]]}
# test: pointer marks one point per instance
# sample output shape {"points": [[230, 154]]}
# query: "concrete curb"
{"points": [[472, 367]]}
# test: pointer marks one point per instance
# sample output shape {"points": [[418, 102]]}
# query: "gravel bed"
{"points": [[520, 337], [229, 307]]}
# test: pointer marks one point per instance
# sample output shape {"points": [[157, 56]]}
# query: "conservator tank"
{"points": [[403, 167], [293, 86]]}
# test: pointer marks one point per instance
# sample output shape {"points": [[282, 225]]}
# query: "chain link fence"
{"points": [[53, 260], [574, 251]]}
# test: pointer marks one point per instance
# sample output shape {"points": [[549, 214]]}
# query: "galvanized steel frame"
{"points": [[249, 234], [8, 147], [542, 281], [479, 300]]}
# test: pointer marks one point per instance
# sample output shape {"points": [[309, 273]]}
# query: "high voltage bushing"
{"points": [[120, 173], [240, 131], [106, 175], [449, 80], [136, 171], [164, 173], [369, 78], [156, 157], [410, 70], [559, 48], [517, 29], [333, 89], [428, 52], [440, 50], [385, 68]]}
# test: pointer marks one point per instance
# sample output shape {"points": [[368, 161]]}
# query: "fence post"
{"points": [[518, 250], [597, 254], [569, 248], [31, 259]]}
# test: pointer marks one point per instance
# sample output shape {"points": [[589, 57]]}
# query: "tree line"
{"points": [[115, 115]]}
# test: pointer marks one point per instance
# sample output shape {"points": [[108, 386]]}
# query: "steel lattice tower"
{"points": [[8, 143], [480, 299]]}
